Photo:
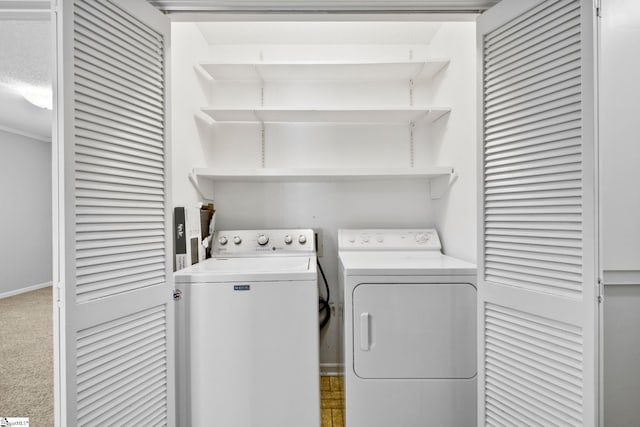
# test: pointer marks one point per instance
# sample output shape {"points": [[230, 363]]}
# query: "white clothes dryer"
{"points": [[410, 330], [250, 321]]}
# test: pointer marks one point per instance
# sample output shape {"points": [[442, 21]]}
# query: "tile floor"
{"points": [[332, 401]]}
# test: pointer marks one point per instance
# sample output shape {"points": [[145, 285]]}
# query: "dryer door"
{"points": [[414, 330]]}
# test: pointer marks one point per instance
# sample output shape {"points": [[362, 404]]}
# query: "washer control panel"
{"points": [[250, 243], [389, 239]]}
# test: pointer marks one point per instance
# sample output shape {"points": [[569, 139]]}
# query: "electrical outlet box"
{"points": [[318, 235]]}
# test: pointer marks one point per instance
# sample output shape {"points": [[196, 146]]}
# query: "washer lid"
{"points": [[395, 263], [249, 269]]}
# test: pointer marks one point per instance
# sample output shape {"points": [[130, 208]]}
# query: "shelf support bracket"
{"points": [[412, 126], [411, 84], [262, 142], [439, 186], [194, 181]]}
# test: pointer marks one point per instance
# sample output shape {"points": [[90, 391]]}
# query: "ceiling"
{"points": [[318, 32], [25, 73], [322, 5]]}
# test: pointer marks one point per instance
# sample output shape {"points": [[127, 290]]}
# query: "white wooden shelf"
{"points": [[306, 174], [325, 115], [331, 71]]}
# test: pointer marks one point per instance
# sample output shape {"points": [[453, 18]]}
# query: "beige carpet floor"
{"points": [[26, 357]]}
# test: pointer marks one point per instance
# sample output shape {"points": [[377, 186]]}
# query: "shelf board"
{"points": [[330, 71], [307, 175], [325, 115]]}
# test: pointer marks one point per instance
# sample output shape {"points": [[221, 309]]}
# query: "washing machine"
{"points": [[250, 325], [410, 330]]}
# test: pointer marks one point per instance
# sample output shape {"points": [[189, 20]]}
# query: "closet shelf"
{"points": [[329, 71], [310, 174], [325, 115]]}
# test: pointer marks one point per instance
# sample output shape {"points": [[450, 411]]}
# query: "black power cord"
{"points": [[324, 309]]}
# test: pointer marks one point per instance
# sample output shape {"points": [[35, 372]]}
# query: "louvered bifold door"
{"points": [[537, 257], [114, 355]]}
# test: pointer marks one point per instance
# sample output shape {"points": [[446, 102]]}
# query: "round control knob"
{"points": [[223, 240], [288, 239], [263, 239], [364, 239], [380, 239], [422, 238], [237, 240], [302, 239]]}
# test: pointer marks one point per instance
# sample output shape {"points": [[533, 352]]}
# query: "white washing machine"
{"points": [[410, 331], [250, 316]]}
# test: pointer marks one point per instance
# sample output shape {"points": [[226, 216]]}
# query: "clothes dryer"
{"points": [[410, 330]]}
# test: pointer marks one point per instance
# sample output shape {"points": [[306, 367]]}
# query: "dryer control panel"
{"points": [[389, 240]]}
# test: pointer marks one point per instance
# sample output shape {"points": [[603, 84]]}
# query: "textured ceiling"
{"points": [[25, 70], [25, 49]]}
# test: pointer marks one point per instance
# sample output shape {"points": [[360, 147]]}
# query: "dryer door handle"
{"points": [[364, 331]]}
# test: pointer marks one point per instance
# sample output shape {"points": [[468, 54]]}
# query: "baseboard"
{"points": [[331, 369], [23, 290]]}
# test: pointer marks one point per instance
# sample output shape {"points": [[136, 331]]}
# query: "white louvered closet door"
{"points": [[537, 265], [115, 352]]}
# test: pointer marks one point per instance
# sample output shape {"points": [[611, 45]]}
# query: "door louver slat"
{"points": [[123, 284], [124, 27], [527, 58], [94, 86], [513, 96], [519, 100], [95, 238], [505, 35], [531, 129], [100, 151], [119, 203], [97, 139], [133, 114], [533, 38], [119, 48], [103, 351], [93, 124], [534, 145], [543, 103], [543, 371], [105, 57], [116, 117], [134, 184], [566, 253], [531, 73], [506, 180], [123, 100], [91, 65], [541, 355]]}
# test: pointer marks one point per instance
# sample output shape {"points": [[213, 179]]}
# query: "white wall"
{"points": [[453, 142], [25, 216], [618, 136], [329, 206], [620, 209], [190, 147], [621, 384]]}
